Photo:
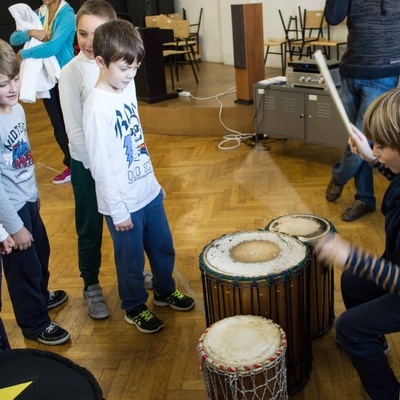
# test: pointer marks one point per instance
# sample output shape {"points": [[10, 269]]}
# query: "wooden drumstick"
{"points": [[333, 91]]}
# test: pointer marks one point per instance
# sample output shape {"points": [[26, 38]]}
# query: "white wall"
{"points": [[216, 25]]}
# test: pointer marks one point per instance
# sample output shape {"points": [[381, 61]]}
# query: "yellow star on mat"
{"points": [[11, 392]]}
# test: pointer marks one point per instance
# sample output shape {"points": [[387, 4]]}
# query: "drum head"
{"points": [[242, 343], [252, 254], [305, 227], [41, 375]]}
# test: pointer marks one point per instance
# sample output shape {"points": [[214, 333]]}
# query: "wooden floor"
{"points": [[210, 192]]}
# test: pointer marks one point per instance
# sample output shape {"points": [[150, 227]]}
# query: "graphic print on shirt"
{"points": [[17, 154], [128, 128]]}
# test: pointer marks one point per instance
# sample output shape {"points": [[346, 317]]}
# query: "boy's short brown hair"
{"points": [[381, 122], [97, 8], [118, 40], [9, 63]]}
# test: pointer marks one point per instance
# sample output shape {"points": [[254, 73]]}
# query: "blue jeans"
{"points": [[151, 236], [27, 276], [371, 312], [357, 95]]}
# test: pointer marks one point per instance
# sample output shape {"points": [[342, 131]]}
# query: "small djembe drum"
{"points": [[309, 228], [243, 357], [266, 274]]}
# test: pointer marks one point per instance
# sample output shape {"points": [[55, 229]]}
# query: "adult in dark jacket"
{"points": [[371, 285], [369, 67]]}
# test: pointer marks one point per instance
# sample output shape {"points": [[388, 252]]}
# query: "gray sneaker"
{"points": [[95, 303], [148, 280]]}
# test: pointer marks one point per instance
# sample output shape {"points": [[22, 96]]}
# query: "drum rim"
{"points": [[270, 279], [245, 369], [327, 221]]}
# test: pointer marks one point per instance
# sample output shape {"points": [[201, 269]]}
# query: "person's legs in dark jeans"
{"points": [[358, 330], [4, 343], [27, 276], [54, 111]]}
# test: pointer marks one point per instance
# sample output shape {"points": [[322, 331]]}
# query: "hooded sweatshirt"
{"points": [[373, 47]]}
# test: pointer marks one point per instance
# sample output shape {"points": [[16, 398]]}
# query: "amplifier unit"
{"points": [[305, 73]]}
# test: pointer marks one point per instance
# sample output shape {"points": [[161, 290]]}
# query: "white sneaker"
{"points": [[95, 303], [148, 280]]}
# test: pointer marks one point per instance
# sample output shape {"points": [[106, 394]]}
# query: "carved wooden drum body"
{"points": [[308, 229], [243, 357], [264, 274]]}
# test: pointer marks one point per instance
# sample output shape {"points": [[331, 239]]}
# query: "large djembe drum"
{"points": [[309, 228], [243, 357], [266, 274]]}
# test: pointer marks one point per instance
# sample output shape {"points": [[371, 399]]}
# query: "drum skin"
{"points": [[278, 293]]}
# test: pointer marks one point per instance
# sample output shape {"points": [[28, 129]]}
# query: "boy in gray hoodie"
{"points": [[26, 268]]}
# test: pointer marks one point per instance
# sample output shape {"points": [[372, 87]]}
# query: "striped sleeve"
{"points": [[384, 273]]}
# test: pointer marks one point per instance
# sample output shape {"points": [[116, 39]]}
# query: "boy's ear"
{"points": [[100, 62]]}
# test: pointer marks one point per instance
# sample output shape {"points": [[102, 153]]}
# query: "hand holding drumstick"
{"points": [[359, 145], [333, 249]]}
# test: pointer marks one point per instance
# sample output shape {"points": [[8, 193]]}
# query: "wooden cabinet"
{"points": [[298, 113]]}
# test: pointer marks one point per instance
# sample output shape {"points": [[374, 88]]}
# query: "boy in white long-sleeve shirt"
{"points": [[128, 193], [77, 79]]}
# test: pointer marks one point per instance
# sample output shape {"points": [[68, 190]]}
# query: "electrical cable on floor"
{"points": [[236, 136]]}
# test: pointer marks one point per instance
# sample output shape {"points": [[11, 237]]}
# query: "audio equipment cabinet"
{"points": [[298, 113]]}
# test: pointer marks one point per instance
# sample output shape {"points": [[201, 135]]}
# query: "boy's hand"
{"points": [[124, 226], [333, 249], [23, 239], [7, 245], [359, 145]]}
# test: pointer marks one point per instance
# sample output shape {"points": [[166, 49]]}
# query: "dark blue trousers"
{"points": [[4, 344], [27, 276], [371, 312], [53, 108]]}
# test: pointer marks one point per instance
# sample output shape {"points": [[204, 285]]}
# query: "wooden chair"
{"points": [[292, 35], [182, 37], [155, 21], [275, 42], [311, 30], [194, 32], [178, 52], [327, 43], [175, 16]]}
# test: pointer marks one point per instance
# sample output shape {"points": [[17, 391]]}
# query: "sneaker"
{"points": [[64, 177], [357, 210], [148, 280], [144, 320], [95, 303], [333, 191], [53, 335], [176, 300], [56, 298]]}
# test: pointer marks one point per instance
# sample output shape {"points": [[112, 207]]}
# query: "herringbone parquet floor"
{"points": [[210, 192]]}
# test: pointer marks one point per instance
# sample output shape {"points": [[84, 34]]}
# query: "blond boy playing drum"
{"points": [[371, 285]]}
